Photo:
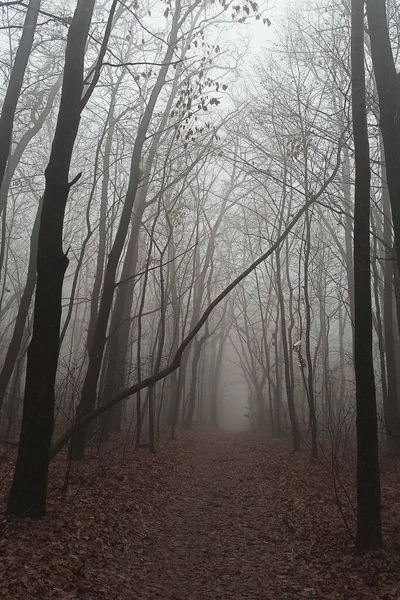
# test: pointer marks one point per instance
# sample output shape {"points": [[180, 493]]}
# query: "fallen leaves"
{"points": [[211, 515]]}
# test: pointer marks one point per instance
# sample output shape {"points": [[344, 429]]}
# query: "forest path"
{"points": [[220, 535], [248, 520], [212, 515]]}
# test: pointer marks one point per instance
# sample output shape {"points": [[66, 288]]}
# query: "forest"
{"points": [[200, 299]]}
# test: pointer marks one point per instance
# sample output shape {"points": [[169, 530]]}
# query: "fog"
{"points": [[199, 258], [181, 177]]}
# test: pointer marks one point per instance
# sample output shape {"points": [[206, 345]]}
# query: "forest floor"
{"points": [[212, 515]]}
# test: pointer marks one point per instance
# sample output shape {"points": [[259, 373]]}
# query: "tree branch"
{"points": [[176, 361]]}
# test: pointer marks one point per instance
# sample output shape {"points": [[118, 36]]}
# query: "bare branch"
{"points": [[176, 361]]}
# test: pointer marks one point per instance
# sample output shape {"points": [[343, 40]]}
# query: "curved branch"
{"points": [[176, 361]]}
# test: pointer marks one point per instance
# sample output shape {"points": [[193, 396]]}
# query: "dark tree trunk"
{"points": [[120, 324], [348, 230], [23, 310], [176, 360], [89, 390], [197, 345], [216, 367], [391, 407], [388, 88], [342, 369], [310, 371], [101, 254], [296, 436], [377, 322], [14, 161], [15, 85], [369, 534], [278, 375], [29, 487]]}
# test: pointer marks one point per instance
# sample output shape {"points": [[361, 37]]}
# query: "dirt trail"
{"points": [[211, 516], [248, 520], [216, 536]]}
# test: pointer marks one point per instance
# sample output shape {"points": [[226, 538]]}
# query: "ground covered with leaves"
{"points": [[211, 516]]}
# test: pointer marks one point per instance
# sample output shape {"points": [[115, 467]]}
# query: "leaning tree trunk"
{"points": [[29, 487], [369, 534], [15, 85], [15, 159], [120, 324], [89, 389], [278, 372], [23, 310]]}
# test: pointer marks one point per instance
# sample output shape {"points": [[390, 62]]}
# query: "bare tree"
{"points": [[29, 488], [15, 84], [369, 533]]}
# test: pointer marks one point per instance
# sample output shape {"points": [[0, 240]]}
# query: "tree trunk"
{"points": [[29, 487], [120, 325], [23, 310], [198, 343], [278, 375], [391, 407], [296, 436], [89, 389], [369, 534], [216, 367], [387, 84], [310, 371], [15, 85]]}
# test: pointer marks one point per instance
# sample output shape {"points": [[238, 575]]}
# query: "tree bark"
{"points": [[387, 84], [391, 407], [29, 487], [369, 534]]}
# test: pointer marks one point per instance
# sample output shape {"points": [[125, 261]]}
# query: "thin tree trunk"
{"points": [[14, 86], [180, 353], [216, 366], [296, 436], [198, 343], [89, 389], [23, 310], [307, 335]]}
